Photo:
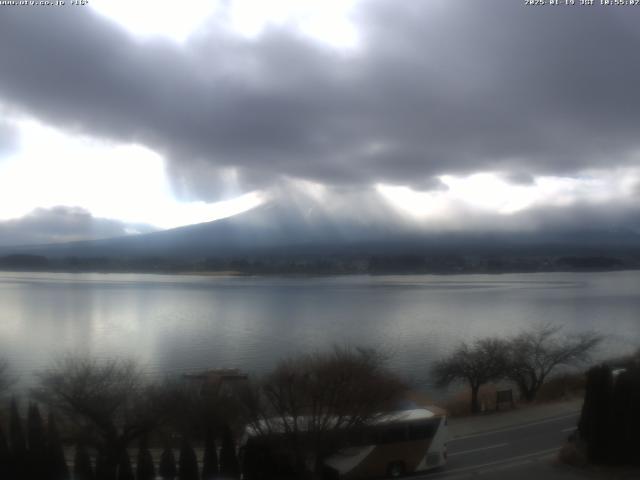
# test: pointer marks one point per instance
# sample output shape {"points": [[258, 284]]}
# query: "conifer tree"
{"points": [[254, 466], [595, 420], [625, 417], [5, 457], [38, 460], [57, 463], [82, 469], [188, 462], [167, 468], [634, 414], [145, 470], [210, 459], [18, 444], [125, 472], [228, 458], [103, 468]]}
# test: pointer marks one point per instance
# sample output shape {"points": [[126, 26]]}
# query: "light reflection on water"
{"points": [[178, 323]]}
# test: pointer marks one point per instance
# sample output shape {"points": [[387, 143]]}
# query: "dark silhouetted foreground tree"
{"points": [[625, 413], [187, 463], [321, 397], [82, 468], [6, 380], [6, 470], [610, 418], [38, 460], [210, 458], [228, 457], [19, 459], [110, 399], [104, 470], [145, 469], [475, 364], [57, 462], [125, 472], [595, 417], [167, 468], [536, 353]]}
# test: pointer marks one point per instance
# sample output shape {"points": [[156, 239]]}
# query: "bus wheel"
{"points": [[395, 470]]}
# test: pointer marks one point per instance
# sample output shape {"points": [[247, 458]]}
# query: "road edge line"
{"points": [[454, 471], [516, 427]]}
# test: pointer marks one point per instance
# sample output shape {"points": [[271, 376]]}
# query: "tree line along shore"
{"points": [[331, 264]]}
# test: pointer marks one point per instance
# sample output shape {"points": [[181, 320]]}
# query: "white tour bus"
{"points": [[394, 444]]}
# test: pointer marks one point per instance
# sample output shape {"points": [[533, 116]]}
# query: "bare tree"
{"points": [[109, 402], [316, 400], [192, 411], [476, 364], [6, 379], [536, 353]]}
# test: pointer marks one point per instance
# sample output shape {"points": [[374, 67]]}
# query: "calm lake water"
{"points": [[182, 323]]}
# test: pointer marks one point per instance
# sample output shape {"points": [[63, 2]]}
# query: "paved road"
{"points": [[483, 452]]}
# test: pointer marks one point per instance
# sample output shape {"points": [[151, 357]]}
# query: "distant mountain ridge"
{"points": [[274, 230]]}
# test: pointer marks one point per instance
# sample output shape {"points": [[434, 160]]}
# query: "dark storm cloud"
{"points": [[435, 87], [62, 224]]}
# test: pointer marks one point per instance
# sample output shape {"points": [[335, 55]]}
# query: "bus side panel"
{"points": [[377, 462]]}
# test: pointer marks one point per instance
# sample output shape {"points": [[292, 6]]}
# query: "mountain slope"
{"points": [[279, 229]]}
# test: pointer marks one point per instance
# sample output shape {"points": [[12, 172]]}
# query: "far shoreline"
{"points": [[236, 273]]}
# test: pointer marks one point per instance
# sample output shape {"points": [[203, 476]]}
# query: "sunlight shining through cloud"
{"points": [[124, 182], [489, 192], [175, 20], [326, 21]]}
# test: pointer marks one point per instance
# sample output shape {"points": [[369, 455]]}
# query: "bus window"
{"points": [[393, 434], [369, 436], [361, 436], [422, 430], [355, 437]]}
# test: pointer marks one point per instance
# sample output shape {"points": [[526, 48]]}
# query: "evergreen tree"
{"points": [[188, 462], [632, 421], [125, 472], [167, 468], [38, 460], [58, 469], [18, 444], [228, 458], [5, 457], [210, 459], [103, 469], [82, 469], [610, 418], [595, 421], [622, 437], [145, 470], [254, 462]]}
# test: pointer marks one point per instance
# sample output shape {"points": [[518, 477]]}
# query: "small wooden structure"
{"points": [[504, 396], [217, 379]]}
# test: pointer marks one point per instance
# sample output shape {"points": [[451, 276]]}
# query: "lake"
{"points": [[174, 323]]}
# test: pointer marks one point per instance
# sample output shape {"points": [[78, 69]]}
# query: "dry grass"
{"points": [[573, 454], [459, 405], [562, 387], [419, 398]]}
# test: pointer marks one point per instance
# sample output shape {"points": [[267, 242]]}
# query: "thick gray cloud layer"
{"points": [[435, 87], [62, 224]]}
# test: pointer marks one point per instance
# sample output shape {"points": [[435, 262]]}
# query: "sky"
{"points": [[120, 117]]}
